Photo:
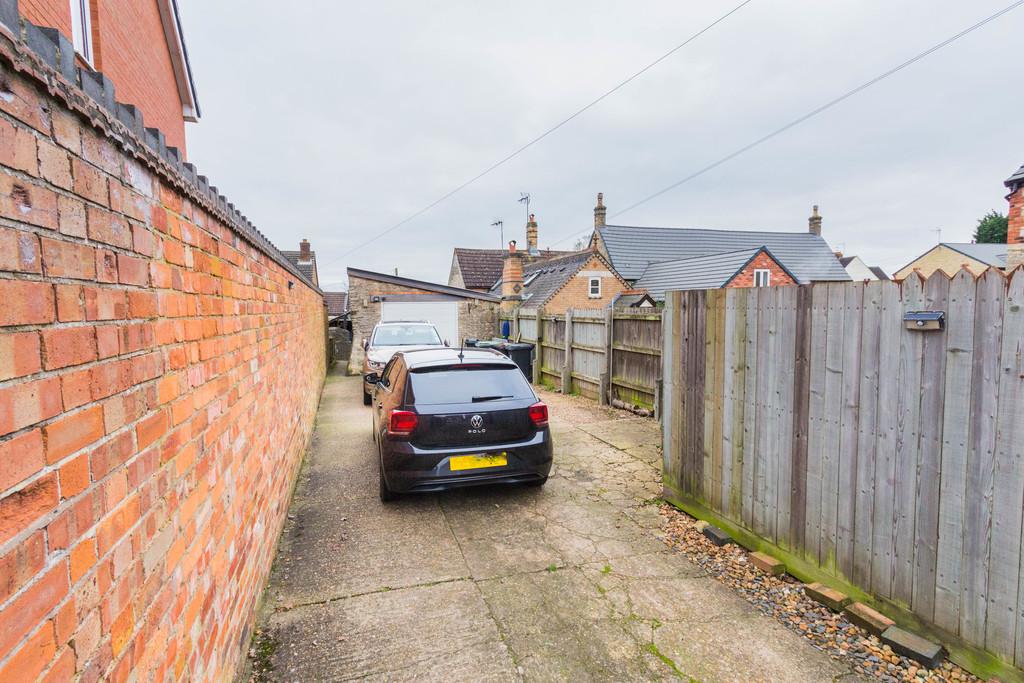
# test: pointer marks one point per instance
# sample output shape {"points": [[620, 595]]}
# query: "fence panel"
{"points": [[615, 355], [890, 457]]}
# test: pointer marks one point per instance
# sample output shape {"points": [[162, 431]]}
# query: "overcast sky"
{"points": [[335, 120]]}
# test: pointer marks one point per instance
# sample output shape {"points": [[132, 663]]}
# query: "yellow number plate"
{"points": [[475, 462]]}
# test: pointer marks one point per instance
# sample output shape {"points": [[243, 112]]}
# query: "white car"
{"points": [[390, 337]]}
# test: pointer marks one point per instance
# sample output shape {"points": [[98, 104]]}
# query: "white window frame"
{"points": [[762, 274], [81, 28], [590, 288]]}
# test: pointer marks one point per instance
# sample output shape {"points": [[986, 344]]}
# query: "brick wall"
{"points": [[477, 318], [53, 13], [1015, 216], [745, 278], [159, 376], [130, 48]]}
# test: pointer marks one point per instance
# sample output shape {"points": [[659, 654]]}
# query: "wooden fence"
{"points": [[575, 353], [891, 459]]}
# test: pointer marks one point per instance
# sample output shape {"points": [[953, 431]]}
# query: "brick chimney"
{"points": [[531, 236], [600, 211], [304, 253], [511, 278], [814, 222], [1015, 220]]}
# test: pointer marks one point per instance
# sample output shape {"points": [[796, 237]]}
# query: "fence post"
{"points": [[567, 364], [538, 348], [515, 324], [606, 377]]}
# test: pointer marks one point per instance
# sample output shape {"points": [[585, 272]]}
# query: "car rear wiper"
{"points": [[478, 399]]}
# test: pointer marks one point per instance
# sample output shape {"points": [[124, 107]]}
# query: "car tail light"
{"points": [[402, 423], [539, 414]]}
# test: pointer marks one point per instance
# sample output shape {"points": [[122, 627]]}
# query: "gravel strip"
{"points": [[783, 597]]}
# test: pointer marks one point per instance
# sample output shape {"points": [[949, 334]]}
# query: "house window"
{"points": [[762, 277], [595, 288], [81, 28]]}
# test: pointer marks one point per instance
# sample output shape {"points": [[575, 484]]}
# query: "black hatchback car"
{"points": [[447, 418]]}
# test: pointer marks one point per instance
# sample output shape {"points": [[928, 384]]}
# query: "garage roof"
{"points": [[419, 284]]}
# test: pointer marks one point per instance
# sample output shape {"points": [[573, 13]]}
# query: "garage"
{"points": [[444, 315], [457, 313]]}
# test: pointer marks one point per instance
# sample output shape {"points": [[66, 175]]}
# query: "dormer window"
{"points": [[81, 28]]}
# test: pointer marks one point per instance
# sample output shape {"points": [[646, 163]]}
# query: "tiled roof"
{"points": [[1017, 177], [805, 254], [419, 284], [701, 272], [307, 268], [337, 303], [990, 254], [879, 273], [481, 268], [542, 279]]}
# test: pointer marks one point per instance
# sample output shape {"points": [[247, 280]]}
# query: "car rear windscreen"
{"points": [[479, 384], [405, 335]]}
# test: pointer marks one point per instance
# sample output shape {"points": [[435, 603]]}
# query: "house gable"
{"points": [[762, 260], [574, 292], [941, 257]]}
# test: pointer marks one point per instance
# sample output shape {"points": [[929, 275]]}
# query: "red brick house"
{"points": [[137, 44]]}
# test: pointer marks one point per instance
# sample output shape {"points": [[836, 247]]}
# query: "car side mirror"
{"points": [[366, 343], [372, 378], [446, 343]]}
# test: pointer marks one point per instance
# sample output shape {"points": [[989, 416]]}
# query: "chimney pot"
{"points": [[600, 212], [814, 222]]}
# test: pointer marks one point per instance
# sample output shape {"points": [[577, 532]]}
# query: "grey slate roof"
{"points": [[804, 254], [989, 254], [1016, 178], [307, 268], [702, 272], [481, 268], [419, 284], [542, 279], [879, 273]]}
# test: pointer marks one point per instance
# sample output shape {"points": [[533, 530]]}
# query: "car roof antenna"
{"points": [[461, 344]]}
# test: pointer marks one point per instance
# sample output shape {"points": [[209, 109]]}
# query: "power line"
{"points": [[543, 135], [811, 114]]}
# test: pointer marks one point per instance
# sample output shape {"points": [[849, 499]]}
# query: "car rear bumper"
{"points": [[408, 468]]}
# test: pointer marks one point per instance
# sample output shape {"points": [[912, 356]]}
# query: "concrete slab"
{"points": [[568, 582]]}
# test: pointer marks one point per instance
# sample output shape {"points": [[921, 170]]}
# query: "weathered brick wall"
{"points": [[477, 318], [745, 278], [159, 376]]}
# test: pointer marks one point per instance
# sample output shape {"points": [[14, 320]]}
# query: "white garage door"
{"points": [[443, 314]]}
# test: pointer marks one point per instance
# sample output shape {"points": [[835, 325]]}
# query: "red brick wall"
{"points": [[131, 50], [53, 13], [745, 278], [158, 383], [1015, 216]]}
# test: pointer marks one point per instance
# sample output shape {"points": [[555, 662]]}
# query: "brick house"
{"points": [[305, 260], [582, 279], [139, 47], [1015, 219], [951, 257], [663, 259], [458, 313]]}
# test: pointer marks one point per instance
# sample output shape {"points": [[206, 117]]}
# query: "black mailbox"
{"points": [[924, 320]]}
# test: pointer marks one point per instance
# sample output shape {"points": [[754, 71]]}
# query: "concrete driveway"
{"points": [[569, 582]]}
